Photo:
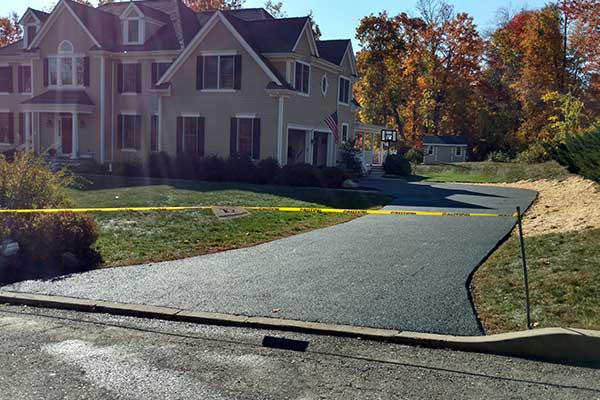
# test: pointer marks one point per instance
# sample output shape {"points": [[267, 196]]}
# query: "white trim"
{"points": [[130, 94], [189, 115], [350, 50], [340, 90], [159, 133], [139, 12], [128, 150], [311, 38], [280, 129], [446, 145], [37, 25], [4, 111], [342, 133], [52, 19], [125, 25], [301, 93], [218, 16], [58, 108], [245, 116], [218, 91], [157, 115], [288, 72], [136, 113], [59, 57], [300, 127], [214, 53], [102, 109], [324, 92]]}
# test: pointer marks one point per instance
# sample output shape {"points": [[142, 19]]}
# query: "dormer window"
{"points": [[133, 26], [30, 34], [30, 24]]}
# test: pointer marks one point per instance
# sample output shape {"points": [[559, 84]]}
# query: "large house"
{"points": [[129, 78]]}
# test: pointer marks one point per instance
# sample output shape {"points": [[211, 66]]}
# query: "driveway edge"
{"points": [[551, 344]]}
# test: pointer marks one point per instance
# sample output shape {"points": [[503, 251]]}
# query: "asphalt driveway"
{"points": [[396, 272]]}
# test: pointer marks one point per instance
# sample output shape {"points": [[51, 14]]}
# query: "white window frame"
{"points": [[458, 152], [159, 62], [14, 136], [5, 65], [184, 116], [127, 63], [59, 57], [219, 54], [324, 91], [300, 92], [340, 90], [26, 39], [237, 136], [141, 30], [129, 114], [30, 78], [347, 126], [430, 150]]}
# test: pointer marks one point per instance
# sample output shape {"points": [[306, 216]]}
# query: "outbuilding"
{"points": [[444, 149]]}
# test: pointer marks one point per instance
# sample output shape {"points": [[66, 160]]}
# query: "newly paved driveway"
{"points": [[399, 272]]}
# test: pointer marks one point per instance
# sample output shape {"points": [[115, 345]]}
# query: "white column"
{"points": [[280, 155], [75, 133], [28, 141], [102, 109], [159, 133]]}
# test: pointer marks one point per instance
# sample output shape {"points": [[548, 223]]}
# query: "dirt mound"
{"points": [[566, 205]]}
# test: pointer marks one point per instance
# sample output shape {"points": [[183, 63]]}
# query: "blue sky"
{"points": [[339, 19]]}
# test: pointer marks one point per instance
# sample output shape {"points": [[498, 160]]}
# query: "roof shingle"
{"points": [[447, 140], [62, 97]]}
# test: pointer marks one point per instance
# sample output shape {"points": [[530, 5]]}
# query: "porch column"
{"points": [[28, 140], [362, 139], [75, 133]]}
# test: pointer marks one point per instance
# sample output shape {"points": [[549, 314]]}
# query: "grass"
{"points": [[133, 238], [489, 172], [564, 274]]}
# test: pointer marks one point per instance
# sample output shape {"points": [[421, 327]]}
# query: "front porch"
{"points": [[310, 146], [368, 142]]}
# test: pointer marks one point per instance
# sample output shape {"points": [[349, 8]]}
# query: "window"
{"points": [[190, 137], [324, 85], [133, 31], [6, 134], [129, 132], [245, 137], [66, 69], [154, 133], [345, 128], [6, 79], [158, 70], [430, 150], [302, 77], [30, 33], [344, 91], [459, 151], [219, 72], [25, 79], [244, 145], [131, 78]]}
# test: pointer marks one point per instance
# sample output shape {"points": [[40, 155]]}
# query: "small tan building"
{"points": [[444, 149], [126, 79]]}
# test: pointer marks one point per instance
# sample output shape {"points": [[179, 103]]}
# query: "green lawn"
{"points": [[489, 172], [564, 274], [131, 238]]}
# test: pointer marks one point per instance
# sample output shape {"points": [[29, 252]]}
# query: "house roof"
{"points": [[446, 140], [270, 35], [42, 16], [333, 50], [98, 22], [12, 49], [79, 97]]}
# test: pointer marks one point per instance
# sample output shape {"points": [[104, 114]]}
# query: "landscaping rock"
{"points": [[349, 184]]}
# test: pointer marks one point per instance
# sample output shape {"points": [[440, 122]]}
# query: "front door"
{"points": [[66, 134], [320, 149]]}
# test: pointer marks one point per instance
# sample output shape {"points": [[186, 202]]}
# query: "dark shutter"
{"points": [[154, 77], [200, 136], [10, 81], [238, 73], [233, 137], [138, 132], [256, 139], [200, 73], [86, 71], [119, 131], [20, 83], [21, 128], [154, 133], [138, 76], [120, 78], [46, 72], [11, 128], [179, 135]]}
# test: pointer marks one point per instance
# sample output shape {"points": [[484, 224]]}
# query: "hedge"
{"points": [[581, 153]]}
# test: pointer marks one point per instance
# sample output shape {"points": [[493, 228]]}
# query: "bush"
{"points": [[43, 239], [131, 167], [188, 166], [332, 177], [90, 167], [395, 164], [267, 170], [350, 160], [535, 154], [239, 169], [160, 165], [414, 156], [298, 175], [499, 156], [581, 153], [212, 169]]}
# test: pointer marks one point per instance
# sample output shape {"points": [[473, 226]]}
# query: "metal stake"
{"points": [[523, 258]]}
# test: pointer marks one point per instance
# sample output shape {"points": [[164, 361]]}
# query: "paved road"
{"points": [[48, 354], [407, 273]]}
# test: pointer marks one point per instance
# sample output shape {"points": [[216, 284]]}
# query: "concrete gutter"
{"points": [[574, 346]]}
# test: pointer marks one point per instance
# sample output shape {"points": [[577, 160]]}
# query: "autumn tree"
{"points": [[210, 5], [275, 9], [10, 30]]}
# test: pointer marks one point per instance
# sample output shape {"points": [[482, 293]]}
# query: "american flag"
{"points": [[332, 123]]}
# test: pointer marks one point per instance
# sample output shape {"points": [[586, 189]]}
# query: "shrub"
{"points": [[395, 164], [43, 238], [581, 153], [414, 155], [212, 169], [267, 170], [350, 160], [90, 167], [536, 153], [160, 165], [239, 169], [131, 167], [298, 175], [187, 166], [332, 177], [499, 156]]}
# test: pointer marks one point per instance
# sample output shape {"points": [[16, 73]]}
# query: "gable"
{"points": [[306, 45], [66, 28], [348, 63]]}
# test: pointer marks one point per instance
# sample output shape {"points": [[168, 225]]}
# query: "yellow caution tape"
{"points": [[277, 209]]}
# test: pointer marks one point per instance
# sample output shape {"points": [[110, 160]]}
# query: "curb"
{"points": [[573, 346]]}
